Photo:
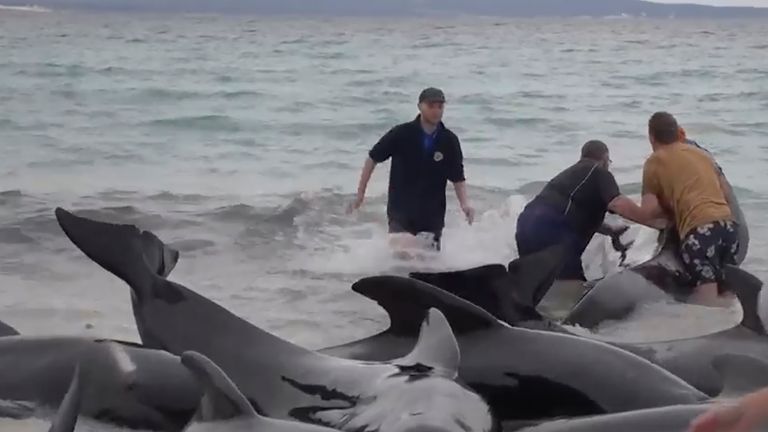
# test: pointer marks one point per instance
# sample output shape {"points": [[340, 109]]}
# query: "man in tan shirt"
{"points": [[687, 185]]}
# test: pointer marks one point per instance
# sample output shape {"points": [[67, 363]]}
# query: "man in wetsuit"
{"points": [[425, 155], [571, 208]]}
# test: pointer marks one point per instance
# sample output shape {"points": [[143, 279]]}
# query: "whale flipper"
{"points": [[69, 410], [407, 301], [7, 330], [221, 398], [747, 288], [436, 346], [741, 373], [223, 403]]}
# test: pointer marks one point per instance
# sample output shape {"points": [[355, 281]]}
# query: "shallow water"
{"points": [[239, 140]]}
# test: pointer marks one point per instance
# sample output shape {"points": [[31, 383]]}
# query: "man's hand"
{"points": [[354, 205], [469, 212], [748, 413], [660, 224]]}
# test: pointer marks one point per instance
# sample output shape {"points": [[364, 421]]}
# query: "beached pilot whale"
{"points": [[416, 391], [521, 373], [524, 373], [122, 383], [499, 292], [224, 408], [738, 372], [674, 418], [663, 276], [127, 384], [691, 358]]}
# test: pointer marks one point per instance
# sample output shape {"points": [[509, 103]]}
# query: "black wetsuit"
{"points": [[570, 208], [421, 166]]}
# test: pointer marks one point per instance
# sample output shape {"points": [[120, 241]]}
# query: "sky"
{"points": [[762, 3]]}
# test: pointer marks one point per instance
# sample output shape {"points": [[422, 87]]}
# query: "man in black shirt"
{"points": [[425, 155], [572, 208]]}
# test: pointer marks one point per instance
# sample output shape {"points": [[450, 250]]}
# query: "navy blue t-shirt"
{"points": [[421, 166]]}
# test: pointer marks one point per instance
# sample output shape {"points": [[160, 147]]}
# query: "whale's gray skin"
{"points": [[34, 370], [69, 410], [523, 373], [674, 418], [122, 383], [741, 374], [7, 330], [690, 358], [66, 416], [511, 293], [223, 408], [418, 390]]}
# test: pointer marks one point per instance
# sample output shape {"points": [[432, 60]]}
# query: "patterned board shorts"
{"points": [[706, 249]]}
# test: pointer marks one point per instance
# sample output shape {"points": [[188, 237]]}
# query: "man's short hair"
{"points": [[663, 128], [594, 149]]}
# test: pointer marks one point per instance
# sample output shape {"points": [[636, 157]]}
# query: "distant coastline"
{"points": [[499, 8], [25, 8]]}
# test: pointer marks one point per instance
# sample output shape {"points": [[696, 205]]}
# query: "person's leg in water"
{"points": [[570, 284], [406, 239], [704, 251], [538, 228]]}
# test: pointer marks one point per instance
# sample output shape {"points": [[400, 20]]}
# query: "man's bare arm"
{"points": [[648, 213], [365, 177], [461, 194]]}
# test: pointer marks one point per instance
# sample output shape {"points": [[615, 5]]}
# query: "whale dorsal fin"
{"points": [[747, 288], [69, 410], [407, 300], [740, 373], [221, 399], [436, 347], [509, 293], [7, 330], [476, 285]]}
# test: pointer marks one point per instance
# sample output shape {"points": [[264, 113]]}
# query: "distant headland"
{"points": [[500, 8]]}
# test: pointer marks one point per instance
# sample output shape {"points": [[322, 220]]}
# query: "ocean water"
{"points": [[239, 140]]}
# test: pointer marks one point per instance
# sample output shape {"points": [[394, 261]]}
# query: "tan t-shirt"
{"points": [[686, 182]]}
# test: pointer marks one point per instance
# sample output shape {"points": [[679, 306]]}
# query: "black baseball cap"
{"points": [[431, 94]]}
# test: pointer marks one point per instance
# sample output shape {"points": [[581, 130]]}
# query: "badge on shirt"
{"points": [[438, 156]]}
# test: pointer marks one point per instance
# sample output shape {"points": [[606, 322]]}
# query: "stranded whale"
{"points": [[418, 390]]}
